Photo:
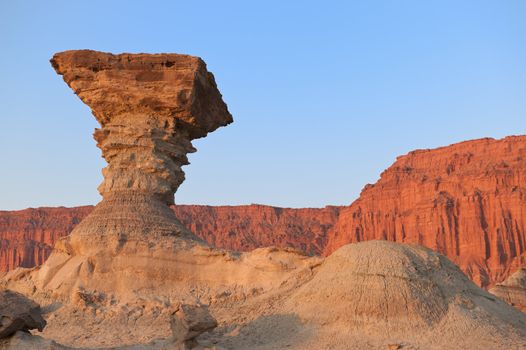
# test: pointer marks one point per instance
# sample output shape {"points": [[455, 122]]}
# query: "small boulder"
{"points": [[188, 322], [18, 313]]}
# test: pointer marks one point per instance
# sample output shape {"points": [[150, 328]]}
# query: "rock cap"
{"points": [[171, 86]]}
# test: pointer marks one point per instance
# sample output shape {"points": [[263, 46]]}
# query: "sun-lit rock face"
{"points": [[466, 201], [150, 107]]}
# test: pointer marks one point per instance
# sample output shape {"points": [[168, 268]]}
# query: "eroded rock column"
{"points": [[149, 107]]}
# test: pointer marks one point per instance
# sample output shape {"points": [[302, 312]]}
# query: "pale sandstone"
{"points": [[150, 108]]}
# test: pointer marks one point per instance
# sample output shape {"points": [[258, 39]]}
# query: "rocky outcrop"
{"points": [[467, 201], [150, 108], [18, 313], [27, 236], [247, 227], [189, 322], [513, 290]]}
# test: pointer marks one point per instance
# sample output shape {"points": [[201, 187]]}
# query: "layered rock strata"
{"points": [[466, 201], [150, 108], [27, 236]]}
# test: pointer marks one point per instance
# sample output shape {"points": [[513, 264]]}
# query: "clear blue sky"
{"points": [[324, 94]]}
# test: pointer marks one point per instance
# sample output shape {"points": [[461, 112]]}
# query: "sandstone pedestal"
{"points": [[150, 107]]}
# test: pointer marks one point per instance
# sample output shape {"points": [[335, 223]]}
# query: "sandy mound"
{"points": [[405, 293]]}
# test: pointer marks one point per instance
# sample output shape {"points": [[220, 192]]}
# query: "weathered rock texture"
{"points": [[377, 289], [513, 290], [467, 201], [18, 313], [27, 236], [190, 321], [150, 108]]}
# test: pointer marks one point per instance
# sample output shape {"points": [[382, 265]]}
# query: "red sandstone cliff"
{"points": [[467, 201], [247, 227], [27, 236]]}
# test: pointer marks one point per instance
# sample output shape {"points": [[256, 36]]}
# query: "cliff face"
{"points": [[467, 201], [27, 236], [247, 227]]}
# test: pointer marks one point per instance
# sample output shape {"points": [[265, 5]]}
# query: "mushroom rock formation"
{"points": [[150, 107], [513, 290]]}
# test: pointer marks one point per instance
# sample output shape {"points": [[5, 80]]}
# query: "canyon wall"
{"points": [[247, 227], [467, 201], [27, 236]]}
